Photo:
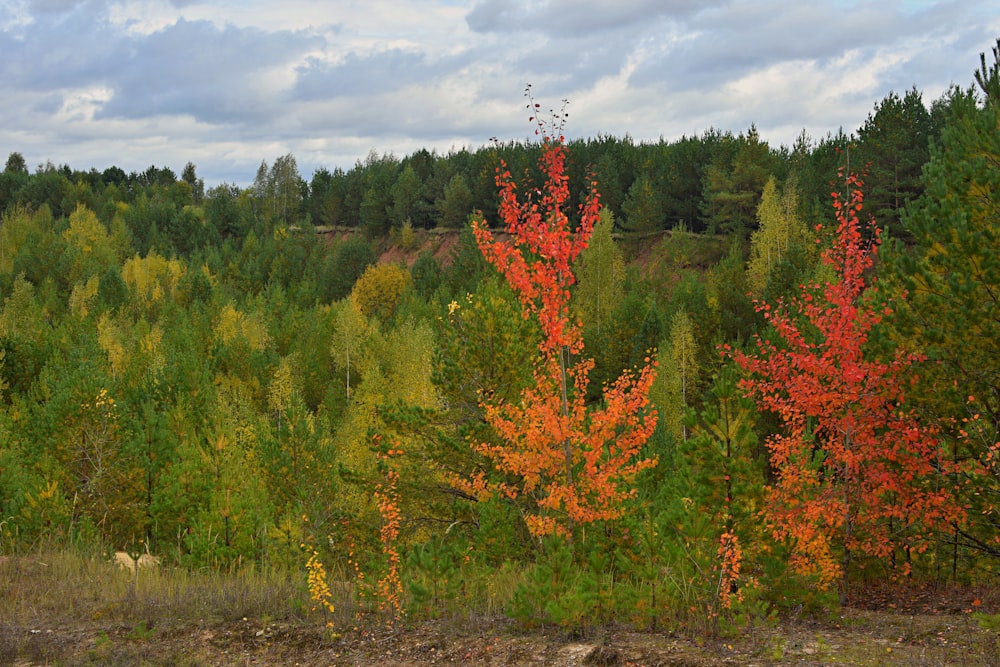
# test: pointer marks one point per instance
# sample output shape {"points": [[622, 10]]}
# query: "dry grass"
{"points": [[65, 608], [69, 609]]}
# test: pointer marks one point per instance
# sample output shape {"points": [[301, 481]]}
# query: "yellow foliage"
{"points": [[233, 324], [15, 226], [82, 298], [254, 329], [679, 374], [279, 394], [21, 313], [379, 290], [319, 591], [109, 337], [86, 233], [228, 324], [90, 247], [780, 228], [150, 346], [153, 277]]}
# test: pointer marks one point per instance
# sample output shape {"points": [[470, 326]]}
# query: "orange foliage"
{"points": [[389, 590], [577, 464]]}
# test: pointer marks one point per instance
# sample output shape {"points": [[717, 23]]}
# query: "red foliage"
{"points": [[856, 469]]}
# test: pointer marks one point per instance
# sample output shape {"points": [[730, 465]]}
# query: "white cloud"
{"points": [[228, 83]]}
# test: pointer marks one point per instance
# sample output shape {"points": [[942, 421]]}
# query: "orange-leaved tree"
{"points": [[856, 470], [576, 463]]}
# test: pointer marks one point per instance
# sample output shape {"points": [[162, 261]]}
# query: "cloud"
{"points": [[217, 75], [227, 83], [370, 74], [570, 18]]}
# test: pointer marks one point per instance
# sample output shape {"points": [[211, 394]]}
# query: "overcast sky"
{"points": [[227, 84]]}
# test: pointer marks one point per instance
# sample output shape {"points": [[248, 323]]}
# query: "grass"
{"points": [[65, 608], [71, 608]]}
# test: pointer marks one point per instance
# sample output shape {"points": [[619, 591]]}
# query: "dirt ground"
{"points": [[853, 637]]}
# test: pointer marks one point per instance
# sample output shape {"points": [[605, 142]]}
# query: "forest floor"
{"points": [[70, 611]]}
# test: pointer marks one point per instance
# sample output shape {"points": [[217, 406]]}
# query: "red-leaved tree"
{"points": [[576, 463], [856, 470]]}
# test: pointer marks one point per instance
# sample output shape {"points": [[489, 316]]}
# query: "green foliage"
{"points": [[436, 578], [278, 190], [951, 276], [456, 205], [345, 265], [559, 591], [733, 183], [600, 276], [677, 383], [643, 207], [893, 148]]}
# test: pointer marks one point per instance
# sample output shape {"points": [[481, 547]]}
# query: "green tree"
{"points": [[600, 275], [733, 186], [344, 265], [190, 176], [643, 207], [951, 276], [456, 205], [279, 190], [15, 164], [407, 197], [894, 143]]}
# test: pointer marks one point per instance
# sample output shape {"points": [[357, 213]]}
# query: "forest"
{"points": [[694, 384]]}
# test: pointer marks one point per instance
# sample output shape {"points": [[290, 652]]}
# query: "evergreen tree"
{"points": [[951, 277]]}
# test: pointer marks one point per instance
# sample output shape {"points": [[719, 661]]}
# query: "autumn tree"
{"points": [[576, 464], [854, 465], [379, 290]]}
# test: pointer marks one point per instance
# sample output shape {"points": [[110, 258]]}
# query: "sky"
{"points": [[228, 84]]}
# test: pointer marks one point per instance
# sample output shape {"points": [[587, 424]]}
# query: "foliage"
{"points": [[856, 469], [601, 275], [951, 276], [198, 370], [779, 232], [319, 589], [676, 385], [575, 463], [379, 291]]}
